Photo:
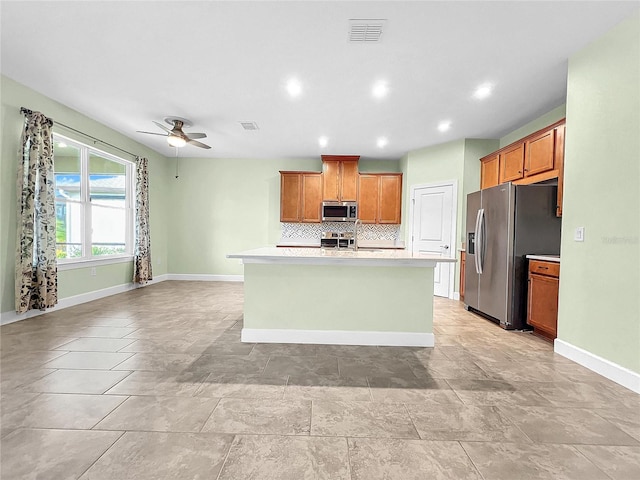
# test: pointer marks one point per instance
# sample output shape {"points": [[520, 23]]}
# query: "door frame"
{"points": [[453, 249]]}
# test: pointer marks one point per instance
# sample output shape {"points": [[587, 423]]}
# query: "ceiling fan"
{"points": [[176, 136]]}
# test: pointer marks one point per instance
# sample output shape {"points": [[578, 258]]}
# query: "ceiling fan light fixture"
{"points": [[176, 141]]}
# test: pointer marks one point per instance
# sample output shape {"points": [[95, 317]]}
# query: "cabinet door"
{"points": [[512, 164], [540, 153], [330, 177], [559, 164], [368, 198], [311, 197], [349, 181], [490, 172], [290, 189], [542, 311], [390, 198]]}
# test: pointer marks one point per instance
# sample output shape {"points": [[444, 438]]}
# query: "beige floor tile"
{"points": [[510, 461], [173, 384], [395, 459], [367, 367], [234, 364], [77, 381], [162, 456], [256, 416], [626, 419], [421, 391], [327, 387], [361, 419], [270, 457], [159, 414], [88, 360], [576, 394], [159, 362], [61, 411], [286, 349], [567, 425], [620, 463], [297, 366], [96, 344], [17, 379], [242, 386], [464, 422], [52, 454], [496, 392]]}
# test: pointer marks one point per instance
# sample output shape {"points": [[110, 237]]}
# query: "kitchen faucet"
{"points": [[355, 234]]}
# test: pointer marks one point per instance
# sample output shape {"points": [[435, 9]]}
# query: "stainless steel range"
{"points": [[337, 240]]}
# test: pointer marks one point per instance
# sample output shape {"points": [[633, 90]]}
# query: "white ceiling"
{"points": [[126, 63]]}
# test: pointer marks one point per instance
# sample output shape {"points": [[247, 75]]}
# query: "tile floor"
{"points": [[155, 384]]}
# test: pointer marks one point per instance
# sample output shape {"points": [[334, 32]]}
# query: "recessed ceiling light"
{"points": [[382, 142], [323, 141], [294, 87], [380, 90], [444, 126], [483, 91]]}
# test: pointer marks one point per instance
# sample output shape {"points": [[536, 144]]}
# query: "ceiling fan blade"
{"points": [[152, 133], [197, 144], [162, 127], [196, 135]]}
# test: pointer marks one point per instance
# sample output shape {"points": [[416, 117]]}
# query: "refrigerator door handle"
{"points": [[479, 241], [483, 241]]}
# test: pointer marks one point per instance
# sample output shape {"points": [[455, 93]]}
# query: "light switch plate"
{"points": [[578, 236]]}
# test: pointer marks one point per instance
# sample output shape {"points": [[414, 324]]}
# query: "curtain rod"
{"points": [[27, 111]]}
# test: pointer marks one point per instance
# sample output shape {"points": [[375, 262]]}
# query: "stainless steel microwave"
{"points": [[339, 211]]}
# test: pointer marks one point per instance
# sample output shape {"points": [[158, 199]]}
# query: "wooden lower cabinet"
{"points": [[462, 273], [542, 301], [300, 197], [380, 197]]}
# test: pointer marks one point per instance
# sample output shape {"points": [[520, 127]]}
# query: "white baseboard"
{"points": [[337, 337], [614, 372], [12, 316], [205, 277], [456, 295]]}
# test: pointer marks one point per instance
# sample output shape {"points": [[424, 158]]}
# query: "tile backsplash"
{"points": [[303, 231]]}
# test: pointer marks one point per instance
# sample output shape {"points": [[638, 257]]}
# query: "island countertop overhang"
{"points": [[320, 256]]}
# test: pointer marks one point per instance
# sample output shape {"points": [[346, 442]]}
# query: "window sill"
{"points": [[94, 262]]}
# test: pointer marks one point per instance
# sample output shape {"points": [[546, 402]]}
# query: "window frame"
{"points": [[88, 259]]}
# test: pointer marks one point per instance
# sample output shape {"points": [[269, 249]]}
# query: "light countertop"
{"points": [[545, 258], [391, 244], [331, 256]]}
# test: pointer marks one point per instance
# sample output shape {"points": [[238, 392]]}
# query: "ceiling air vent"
{"points": [[249, 125], [365, 30]]}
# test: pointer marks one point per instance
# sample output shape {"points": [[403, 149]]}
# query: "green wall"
{"points": [[457, 160], [539, 123], [599, 278], [78, 281], [222, 206]]}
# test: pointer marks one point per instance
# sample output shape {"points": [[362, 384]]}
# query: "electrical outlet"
{"points": [[578, 235], [93, 271]]}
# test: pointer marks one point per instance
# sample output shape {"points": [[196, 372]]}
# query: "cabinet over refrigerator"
{"points": [[504, 224]]}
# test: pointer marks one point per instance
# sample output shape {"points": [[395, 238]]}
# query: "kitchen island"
{"points": [[340, 297]]}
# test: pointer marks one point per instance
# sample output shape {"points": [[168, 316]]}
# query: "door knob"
{"points": [[446, 247]]}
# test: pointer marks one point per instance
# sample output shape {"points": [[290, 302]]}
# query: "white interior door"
{"points": [[432, 222]]}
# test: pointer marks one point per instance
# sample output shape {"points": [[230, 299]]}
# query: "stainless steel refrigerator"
{"points": [[504, 224]]}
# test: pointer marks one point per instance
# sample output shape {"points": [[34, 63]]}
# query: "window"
{"points": [[94, 203]]}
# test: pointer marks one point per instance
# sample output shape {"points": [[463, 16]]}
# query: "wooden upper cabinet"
{"points": [[290, 189], [512, 163], [380, 198], [490, 171], [300, 197], [540, 153], [349, 181], [330, 179], [390, 198], [311, 197], [368, 197], [340, 178]]}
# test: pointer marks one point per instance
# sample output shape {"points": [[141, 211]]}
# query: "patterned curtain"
{"points": [[142, 253], [36, 267]]}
